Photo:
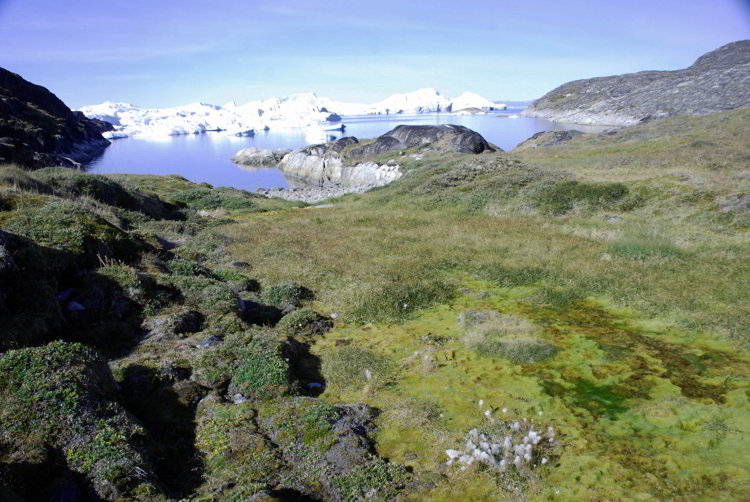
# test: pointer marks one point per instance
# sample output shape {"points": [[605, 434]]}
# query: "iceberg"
{"points": [[306, 111]]}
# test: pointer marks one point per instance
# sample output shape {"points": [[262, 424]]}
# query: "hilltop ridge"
{"points": [[717, 81], [37, 129]]}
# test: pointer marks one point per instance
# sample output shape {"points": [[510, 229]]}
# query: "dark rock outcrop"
{"points": [[547, 138], [717, 81], [37, 129], [342, 143], [445, 137]]}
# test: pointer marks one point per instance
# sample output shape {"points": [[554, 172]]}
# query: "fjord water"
{"points": [[206, 157]]}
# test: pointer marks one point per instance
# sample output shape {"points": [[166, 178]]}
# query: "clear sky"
{"points": [[170, 52]]}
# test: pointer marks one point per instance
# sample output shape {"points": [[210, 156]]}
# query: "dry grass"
{"points": [[674, 255]]}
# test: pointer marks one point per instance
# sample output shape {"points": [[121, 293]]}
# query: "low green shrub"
{"points": [[66, 226], [208, 295], [252, 363], [304, 323], [61, 396], [560, 198], [286, 294], [181, 266], [201, 197]]}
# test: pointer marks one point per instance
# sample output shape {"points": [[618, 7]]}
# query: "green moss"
{"points": [[238, 461]]}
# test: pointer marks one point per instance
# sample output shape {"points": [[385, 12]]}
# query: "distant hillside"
{"points": [[37, 129], [717, 81]]}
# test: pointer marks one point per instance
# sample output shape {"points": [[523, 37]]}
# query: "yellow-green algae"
{"points": [[644, 412]]}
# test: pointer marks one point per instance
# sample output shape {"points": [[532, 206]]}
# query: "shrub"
{"points": [[60, 396], [236, 280], [206, 246], [304, 322], [66, 226], [206, 294], [181, 266], [202, 197], [286, 295], [562, 197], [251, 362]]}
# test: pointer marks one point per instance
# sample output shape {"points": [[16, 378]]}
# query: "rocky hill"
{"points": [[717, 81], [37, 129]]}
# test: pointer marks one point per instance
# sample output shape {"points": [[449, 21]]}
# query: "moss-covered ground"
{"points": [[598, 287]]}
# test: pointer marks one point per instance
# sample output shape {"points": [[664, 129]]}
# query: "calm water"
{"points": [[205, 157]]}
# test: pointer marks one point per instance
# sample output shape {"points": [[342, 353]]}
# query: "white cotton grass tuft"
{"points": [[522, 446]]}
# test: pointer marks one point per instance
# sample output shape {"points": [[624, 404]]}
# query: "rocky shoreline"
{"points": [[311, 195]]}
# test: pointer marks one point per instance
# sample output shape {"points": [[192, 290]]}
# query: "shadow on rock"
{"points": [[304, 367], [49, 481], [164, 401]]}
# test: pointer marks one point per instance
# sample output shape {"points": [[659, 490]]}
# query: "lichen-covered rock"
{"points": [[327, 452], [61, 398]]}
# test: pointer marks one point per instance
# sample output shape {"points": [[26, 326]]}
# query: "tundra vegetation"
{"points": [[557, 323]]}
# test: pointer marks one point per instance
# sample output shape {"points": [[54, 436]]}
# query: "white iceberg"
{"points": [[307, 111]]}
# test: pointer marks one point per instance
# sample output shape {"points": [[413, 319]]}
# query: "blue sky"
{"points": [[165, 52]]}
